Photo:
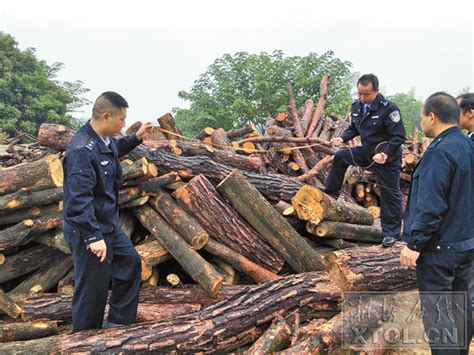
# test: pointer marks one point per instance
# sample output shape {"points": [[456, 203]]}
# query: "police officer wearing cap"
{"points": [[439, 226], [380, 126], [102, 254]]}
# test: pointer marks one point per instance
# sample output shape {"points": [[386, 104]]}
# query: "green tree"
{"points": [[245, 88], [29, 92], [410, 108]]}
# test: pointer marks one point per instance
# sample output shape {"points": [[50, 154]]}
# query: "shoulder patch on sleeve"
{"points": [[395, 116], [90, 145]]}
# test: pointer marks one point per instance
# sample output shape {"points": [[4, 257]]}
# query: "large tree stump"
{"points": [[221, 327], [222, 222], [313, 205], [371, 234], [38, 175], [21, 233], [185, 224], [168, 123], [373, 268], [273, 186], [56, 136], [25, 198], [194, 264], [27, 261], [267, 221]]}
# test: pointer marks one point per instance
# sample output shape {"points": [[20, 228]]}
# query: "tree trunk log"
{"points": [[27, 330], [266, 220], [313, 205], [22, 232], [198, 268], [241, 263], [8, 306], [276, 338], [307, 114], [185, 224], [136, 170], [24, 198], [38, 175], [56, 136], [26, 261], [222, 222], [127, 222], [66, 284], [14, 217], [240, 132], [45, 278], [216, 328], [373, 268], [220, 139], [273, 186], [152, 253], [54, 238], [58, 307], [168, 123], [323, 90], [147, 188], [135, 203], [355, 232]]}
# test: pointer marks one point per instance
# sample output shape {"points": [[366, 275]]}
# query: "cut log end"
{"points": [[55, 169]]}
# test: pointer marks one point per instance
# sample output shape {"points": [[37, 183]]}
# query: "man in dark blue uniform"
{"points": [[439, 226], [466, 121], [102, 254], [380, 126]]}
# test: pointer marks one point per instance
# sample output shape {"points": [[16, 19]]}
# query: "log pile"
{"points": [[237, 240]]}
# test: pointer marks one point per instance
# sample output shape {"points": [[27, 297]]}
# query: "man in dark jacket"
{"points": [[379, 124], [101, 252], [439, 225]]}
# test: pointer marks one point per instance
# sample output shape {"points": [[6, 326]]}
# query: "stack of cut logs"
{"points": [[237, 240]]}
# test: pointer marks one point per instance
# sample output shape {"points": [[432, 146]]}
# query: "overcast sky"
{"points": [[149, 50]]}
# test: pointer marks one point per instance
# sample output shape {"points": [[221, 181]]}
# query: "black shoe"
{"points": [[389, 241], [108, 324]]}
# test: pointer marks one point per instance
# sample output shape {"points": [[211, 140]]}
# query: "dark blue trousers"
{"points": [[121, 270], [388, 176], [446, 272]]}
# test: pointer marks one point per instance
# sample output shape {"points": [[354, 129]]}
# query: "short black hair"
{"points": [[367, 79], [108, 101], [444, 106], [466, 101]]}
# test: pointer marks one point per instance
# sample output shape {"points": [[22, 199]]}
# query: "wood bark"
{"points": [[221, 221], [347, 231], [184, 223], [215, 328], [241, 263], [152, 253], [45, 278], [127, 222], [14, 217], [220, 139], [168, 123], [307, 114], [66, 284], [273, 186], [136, 170], [198, 268], [27, 330], [147, 188], [313, 205], [267, 221], [58, 307], [8, 306], [22, 232], [26, 261], [24, 198], [275, 338], [371, 269], [54, 238], [323, 89], [38, 175], [239, 132], [56, 136], [140, 201]]}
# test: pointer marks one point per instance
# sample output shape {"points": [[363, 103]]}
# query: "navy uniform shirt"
{"points": [[382, 122], [440, 208], [92, 175]]}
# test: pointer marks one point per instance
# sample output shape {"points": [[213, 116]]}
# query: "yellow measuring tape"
{"points": [[284, 150]]}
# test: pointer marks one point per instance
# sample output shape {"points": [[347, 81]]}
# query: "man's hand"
{"points": [[145, 128], [380, 158], [100, 249], [336, 142], [408, 257]]}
